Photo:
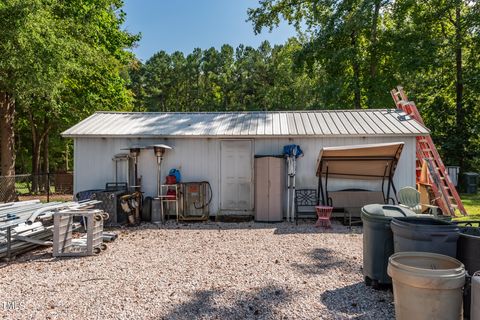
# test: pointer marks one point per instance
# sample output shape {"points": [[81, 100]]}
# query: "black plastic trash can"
{"points": [[469, 182], [468, 246], [378, 240], [425, 235]]}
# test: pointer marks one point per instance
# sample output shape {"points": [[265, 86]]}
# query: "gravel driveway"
{"points": [[201, 271]]}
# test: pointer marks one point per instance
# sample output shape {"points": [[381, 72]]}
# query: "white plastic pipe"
{"points": [[292, 213], [288, 197], [475, 300]]}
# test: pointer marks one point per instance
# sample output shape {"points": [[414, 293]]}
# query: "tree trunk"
{"points": [[460, 112], [7, 147], [357, 104], [66, 157], [374, 40], [373, 54], [45, 170], [36, 147], [38, 139]]}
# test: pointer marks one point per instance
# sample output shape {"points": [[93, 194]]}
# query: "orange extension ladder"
{"points": [[446, 196]]}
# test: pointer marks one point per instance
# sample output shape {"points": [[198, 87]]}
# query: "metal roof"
{"points": [[386, 122]]}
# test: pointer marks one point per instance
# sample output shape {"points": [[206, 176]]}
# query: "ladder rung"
{"points": [[428, 157]]}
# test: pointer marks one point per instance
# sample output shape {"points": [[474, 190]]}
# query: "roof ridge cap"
{"points": [[241, 112]]}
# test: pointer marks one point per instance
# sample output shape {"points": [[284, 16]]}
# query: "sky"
{"points": [[183, 25]]}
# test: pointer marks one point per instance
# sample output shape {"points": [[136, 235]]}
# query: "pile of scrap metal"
{"points": [[27, 225], [131, 205], [118, 200]]}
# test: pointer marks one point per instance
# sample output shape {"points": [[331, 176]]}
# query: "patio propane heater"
{"points": [[157, 211], [159, 150], [133, 201], [134, 152]]}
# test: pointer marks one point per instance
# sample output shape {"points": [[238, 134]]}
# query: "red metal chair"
{"points": [[324, 213]]}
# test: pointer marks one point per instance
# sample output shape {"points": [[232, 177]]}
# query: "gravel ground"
{"points": [[201, 271]]}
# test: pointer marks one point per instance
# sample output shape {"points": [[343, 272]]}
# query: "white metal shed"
{"points": [[219, 147]]}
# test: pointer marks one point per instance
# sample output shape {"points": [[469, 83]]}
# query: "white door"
{"points": [[236, 162]]}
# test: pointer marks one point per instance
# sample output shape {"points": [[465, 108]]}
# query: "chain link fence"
{"points": [[42, 186]]}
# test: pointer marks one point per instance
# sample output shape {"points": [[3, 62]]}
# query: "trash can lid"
{"points": [[384, 210], [470, 231]]}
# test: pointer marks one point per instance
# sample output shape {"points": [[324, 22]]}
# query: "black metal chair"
{"points": [[305, 202]]}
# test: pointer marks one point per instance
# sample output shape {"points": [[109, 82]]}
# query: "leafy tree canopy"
{"points": [[61, 60]]}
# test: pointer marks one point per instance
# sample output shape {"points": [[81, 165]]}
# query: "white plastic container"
{"points": [[475, 301], [427, 286]]}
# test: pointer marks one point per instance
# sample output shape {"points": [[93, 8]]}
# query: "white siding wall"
{"points": [[199, 160], [306, 166]]}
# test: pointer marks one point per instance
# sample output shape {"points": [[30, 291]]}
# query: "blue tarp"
{"points": [[292, 150]]}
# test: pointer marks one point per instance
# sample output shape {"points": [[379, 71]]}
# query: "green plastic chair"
{"points": [[409, 197]]}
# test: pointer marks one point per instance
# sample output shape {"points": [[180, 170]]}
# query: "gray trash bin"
{"points": [[378, 240], [425, 235]]}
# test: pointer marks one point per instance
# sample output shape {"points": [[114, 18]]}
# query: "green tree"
{"points": [[158, 80], [58, 62], [136, 84], [435, 55], [361, 48], [344, 37], [193, 79], [244, 78]]}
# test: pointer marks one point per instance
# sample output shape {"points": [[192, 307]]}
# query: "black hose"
{"points": [[209, 200]]}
